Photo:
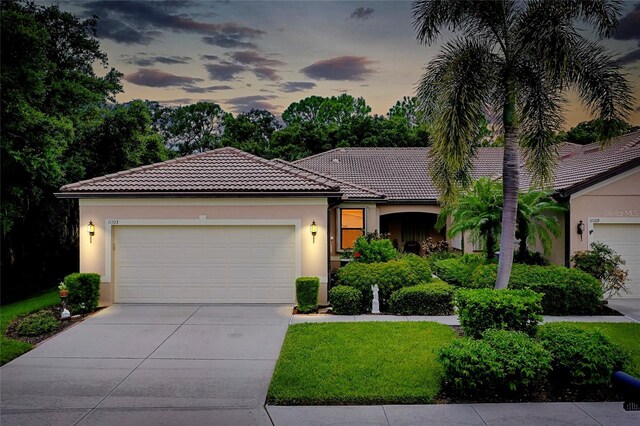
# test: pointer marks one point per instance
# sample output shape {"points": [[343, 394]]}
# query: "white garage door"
{"points": [[204, 264], [624, 238]]}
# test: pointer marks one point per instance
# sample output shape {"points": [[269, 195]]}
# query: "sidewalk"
{"points": [[521, 414]]}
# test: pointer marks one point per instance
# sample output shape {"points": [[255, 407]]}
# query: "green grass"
{"points": [[626, 335], [359, 363], [9, 348]]}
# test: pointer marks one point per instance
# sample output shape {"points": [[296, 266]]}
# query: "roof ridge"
{"points": [[315, 155], [363, 188]]}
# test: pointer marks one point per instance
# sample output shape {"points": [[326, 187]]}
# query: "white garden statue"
{"points": [[375, 306]]}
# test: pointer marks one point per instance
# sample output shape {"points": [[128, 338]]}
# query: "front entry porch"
{"points": [[409, 230]]}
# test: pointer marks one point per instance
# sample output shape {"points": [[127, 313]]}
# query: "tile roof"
{"points": [[401, 173], [220, 171]]}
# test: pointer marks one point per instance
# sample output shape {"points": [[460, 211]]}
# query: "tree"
{"points": [[513, 59], [193, 128], [478, 210], [251, 131], [536, 219], [591, 131]]}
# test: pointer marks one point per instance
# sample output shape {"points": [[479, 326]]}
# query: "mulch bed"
{"points": [[34, 340]]}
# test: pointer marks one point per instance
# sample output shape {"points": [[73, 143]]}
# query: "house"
{"points": [[225, 226]]}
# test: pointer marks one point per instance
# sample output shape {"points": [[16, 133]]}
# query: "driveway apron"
{"points": [[150, 364]]}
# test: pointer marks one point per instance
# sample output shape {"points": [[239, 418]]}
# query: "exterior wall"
{"points": [[616, 199], [95, 256]]}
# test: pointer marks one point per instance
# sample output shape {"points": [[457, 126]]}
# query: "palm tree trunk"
{"points": [[510, 178]]}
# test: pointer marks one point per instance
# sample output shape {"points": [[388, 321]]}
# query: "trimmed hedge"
{"points": [[565, 291], [307, 294], [345, 300], [371, 250], [84, 292], [502, 363], [408, 270], [458, 270], [423, 299], [581, 357], [485, 309]]}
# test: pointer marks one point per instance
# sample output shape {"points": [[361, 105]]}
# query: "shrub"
{"points": [[429, 246], [84, 292], [423, 299], [565, 291], [37, 323], [501, 363], [603, 263], [581, 357], [530, 258], [458, 270], [307, 294], [374, 247], [345, 300], [389, 276], [485, 309]]}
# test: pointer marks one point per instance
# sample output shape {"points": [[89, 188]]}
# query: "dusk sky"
{"points": [[267, 54]]}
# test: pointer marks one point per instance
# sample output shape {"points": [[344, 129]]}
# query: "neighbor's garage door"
{"points": [[624, 238], [204, 264]]}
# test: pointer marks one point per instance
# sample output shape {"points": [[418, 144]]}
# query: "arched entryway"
{"points": [[409, 230]]}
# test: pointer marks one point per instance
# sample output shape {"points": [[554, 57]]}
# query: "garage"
{"points": [[623, 238], [204, 264]]}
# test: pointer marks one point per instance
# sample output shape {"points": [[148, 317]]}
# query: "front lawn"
{"points": [[626, 335], [360, 363], [9, 348]]}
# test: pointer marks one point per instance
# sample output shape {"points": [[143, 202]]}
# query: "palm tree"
{"points": [[514, 59], [536, 219], [479, 210]]}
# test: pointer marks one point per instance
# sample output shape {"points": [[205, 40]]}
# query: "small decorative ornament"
{"points": [[65, 314], [356, 255], [375, 306]]}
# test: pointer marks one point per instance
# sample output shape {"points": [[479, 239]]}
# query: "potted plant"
{"points": [[64, 291]]}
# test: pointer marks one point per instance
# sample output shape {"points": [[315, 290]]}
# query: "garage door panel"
{"points": [[624, 238], [210, 264]]}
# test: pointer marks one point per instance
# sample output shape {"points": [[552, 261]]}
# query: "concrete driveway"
{"points": [[150, 365]]}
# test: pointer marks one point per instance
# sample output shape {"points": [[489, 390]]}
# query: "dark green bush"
{"points": [[307, 294], [84, 292], [530, 258], [389, 276], [502, 362], [345, 300], [373, 248], [37, 323], [423, 299], [485, 309], [581, 357], [458, 270], [565, 291]]}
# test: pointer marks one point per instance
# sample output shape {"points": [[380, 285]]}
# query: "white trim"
{"points": [[302, 201], [201, 221], [605, 182], [606, 220]]}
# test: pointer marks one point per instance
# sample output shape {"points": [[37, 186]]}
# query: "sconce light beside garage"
{"points": [[580, 229], [314, 230], [91, 229]]}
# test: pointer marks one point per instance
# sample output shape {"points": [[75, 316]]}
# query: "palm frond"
{"points": [[453, 94]]}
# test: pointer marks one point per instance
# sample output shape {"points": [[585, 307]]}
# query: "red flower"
{"points": [[356, 255]]}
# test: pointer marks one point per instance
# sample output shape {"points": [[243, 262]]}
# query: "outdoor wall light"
{"points": [[314, 230], [580, 229], [91, 229]]}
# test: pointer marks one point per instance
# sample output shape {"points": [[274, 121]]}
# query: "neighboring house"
{"points": [[225, 226]]}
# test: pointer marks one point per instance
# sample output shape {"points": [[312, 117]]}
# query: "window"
{"points": [[351, 227]]}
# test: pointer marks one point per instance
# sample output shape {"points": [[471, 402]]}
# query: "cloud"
{"points": [[209, 57], [226, 41], [152, 77], [132, 22], [224, 71], [629, 25], [247, 103], [253, 58], [296, 86], [196, 89], [629, 57], [266, 73], [362, 14], [342, 68], [143, 60]]}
